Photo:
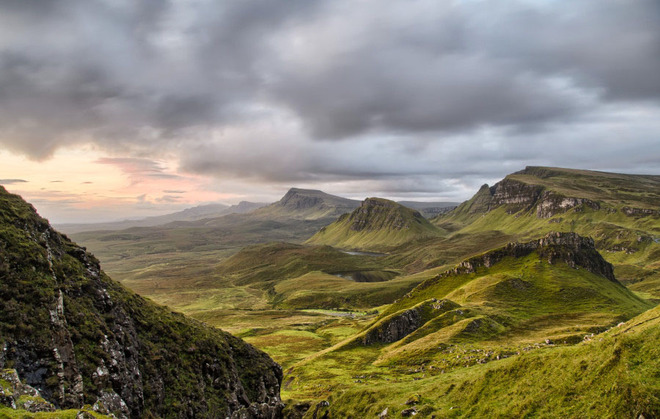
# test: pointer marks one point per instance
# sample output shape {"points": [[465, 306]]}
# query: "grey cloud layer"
{"points": [[332, 90]]}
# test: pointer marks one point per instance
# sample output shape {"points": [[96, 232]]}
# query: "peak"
{"points": [[382, 202], [299, 191]]}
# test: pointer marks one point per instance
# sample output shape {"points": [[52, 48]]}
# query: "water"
{"points": [[356, 253]]}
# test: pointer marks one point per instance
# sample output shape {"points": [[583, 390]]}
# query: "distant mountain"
{"points": [[377, 224], [70, 336], [308, 204], [430, 209], [189, 214]]}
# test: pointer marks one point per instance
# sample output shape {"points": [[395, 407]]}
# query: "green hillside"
{"points": [[378, 224], [621, 213], [71, 336], [609, 375], [524, 297]]}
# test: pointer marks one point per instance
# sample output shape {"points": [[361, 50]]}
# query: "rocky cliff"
{"points": [[569, 248], [73, 336], [517, 192]]}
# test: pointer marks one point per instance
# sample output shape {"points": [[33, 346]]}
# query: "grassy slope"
{"points": [[378, 225], [557, 302], [631, 243], [613, 375]]}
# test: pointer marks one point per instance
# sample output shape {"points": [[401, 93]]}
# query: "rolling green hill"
{"points": [[608, 375], [522, 297], [378, 224]]}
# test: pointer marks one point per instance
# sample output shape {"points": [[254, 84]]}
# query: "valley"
{"points": [[536, 297]]}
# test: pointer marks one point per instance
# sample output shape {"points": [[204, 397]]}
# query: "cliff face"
{"points": [[515, 196], [77, 337], [570, 248], [308, 204]]}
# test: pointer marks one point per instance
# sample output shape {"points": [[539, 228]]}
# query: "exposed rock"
{"points": [[409, 412], [399, 325], [570, 248], [395, 328], [76, 337], [640, 212], [17, 395], [516, 195], [551, 204]]}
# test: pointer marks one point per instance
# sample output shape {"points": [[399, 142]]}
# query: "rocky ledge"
{"points": [[570, 248]]}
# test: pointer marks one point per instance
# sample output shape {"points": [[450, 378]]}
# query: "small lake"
{"points": [[356, 253]]}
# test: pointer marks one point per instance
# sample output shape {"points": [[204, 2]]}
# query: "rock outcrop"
{"points": [[399, 325], [570, 248], [76, 337]]}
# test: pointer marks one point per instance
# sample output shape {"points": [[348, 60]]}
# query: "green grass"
{"points": [[8, 413], [378, 225], [615, 374]]}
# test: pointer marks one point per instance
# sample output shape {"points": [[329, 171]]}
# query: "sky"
{"points": [[114, 109]]}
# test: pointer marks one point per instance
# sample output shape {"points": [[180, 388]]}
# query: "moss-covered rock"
{"points": [[78, 337]]}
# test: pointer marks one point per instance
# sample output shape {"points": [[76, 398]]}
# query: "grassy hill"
{"points": [[613, 374], [521, 298], [378, 224], [621, 213]]}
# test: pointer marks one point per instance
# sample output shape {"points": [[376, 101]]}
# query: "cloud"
{"points": [[393, 96], [12, 181]]}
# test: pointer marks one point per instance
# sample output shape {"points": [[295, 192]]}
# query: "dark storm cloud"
{"points": [[413, 88]]}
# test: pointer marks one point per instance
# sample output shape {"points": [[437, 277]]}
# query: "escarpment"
{"points": [[570, 248], [78, 338]]}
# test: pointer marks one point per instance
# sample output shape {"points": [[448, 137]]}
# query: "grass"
{"points": [[377, 225], [615, 374], [8, 413]]}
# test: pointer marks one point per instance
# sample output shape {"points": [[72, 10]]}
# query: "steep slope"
{"points": [[621, 212], [613, 374], [76, 337], [376, 225], [523, 297], [545, 285], [307, 204]]}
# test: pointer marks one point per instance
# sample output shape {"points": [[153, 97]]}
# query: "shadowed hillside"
{"points": [[71, 336]]}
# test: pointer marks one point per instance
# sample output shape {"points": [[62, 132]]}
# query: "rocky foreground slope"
{"points": [[71, 336]]}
